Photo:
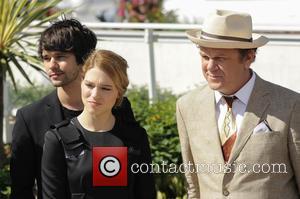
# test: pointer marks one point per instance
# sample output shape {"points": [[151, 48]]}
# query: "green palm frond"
{"points": [[17, 49]]}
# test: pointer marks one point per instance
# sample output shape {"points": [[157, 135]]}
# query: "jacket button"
{"points": [[225, 192]]}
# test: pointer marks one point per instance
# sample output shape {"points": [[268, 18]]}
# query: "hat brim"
{"points": [[195, 37]]}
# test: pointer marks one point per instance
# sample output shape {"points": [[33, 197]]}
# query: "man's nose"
{"points": [[212, 65], [53, 64]]}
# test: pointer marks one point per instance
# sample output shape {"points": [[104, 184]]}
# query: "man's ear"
{"points": [[249, 58], [81, 73]]}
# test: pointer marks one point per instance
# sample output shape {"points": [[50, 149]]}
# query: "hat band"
{"points": [[225, 37]]}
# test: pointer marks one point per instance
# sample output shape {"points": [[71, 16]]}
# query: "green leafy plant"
{"points": [[4, 182], [159, 119], [4, 175], [29, 94]]}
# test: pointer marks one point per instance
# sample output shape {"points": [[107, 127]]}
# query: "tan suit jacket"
{"points": [[261, 165]]}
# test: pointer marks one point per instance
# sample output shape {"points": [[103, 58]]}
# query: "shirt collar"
{"points": [[243, 94]]}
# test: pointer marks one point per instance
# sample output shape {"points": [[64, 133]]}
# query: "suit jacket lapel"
{"points": [[257, 105], [53, 108]]}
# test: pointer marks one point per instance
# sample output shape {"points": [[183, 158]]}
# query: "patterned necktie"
{"points": [[229, 129]]}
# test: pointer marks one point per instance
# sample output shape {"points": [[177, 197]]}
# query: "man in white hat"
{"points": [[239, 134]]}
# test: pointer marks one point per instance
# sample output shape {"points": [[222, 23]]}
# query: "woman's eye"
{"points": [[106, 89], [89, 85]]}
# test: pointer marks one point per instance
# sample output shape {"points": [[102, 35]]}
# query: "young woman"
{"points": [[68, 159]]}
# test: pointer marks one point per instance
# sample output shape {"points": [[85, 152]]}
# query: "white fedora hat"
{"points": [[227, 29]]}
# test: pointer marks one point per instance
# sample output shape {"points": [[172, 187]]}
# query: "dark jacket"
{"points": [[67, 163], [32, 122]]}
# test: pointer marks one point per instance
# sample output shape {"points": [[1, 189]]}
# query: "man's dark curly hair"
{"points": [[68, 35]]}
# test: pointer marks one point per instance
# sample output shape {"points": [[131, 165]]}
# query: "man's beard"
{"points": [[66, 80]]}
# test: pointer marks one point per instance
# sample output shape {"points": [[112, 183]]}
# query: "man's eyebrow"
{"points": [[61, 53], [221, 55], [217, 55], [56, 53]]}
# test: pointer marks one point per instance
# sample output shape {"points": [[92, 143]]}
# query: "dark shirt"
{"points": [[68, 162], [69, 114], [102, 139], [98, 139]]}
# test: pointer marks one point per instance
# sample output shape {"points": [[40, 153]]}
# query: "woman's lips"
{"points": [[94, 103]]}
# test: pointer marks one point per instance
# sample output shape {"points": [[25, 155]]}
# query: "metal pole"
{"points": [[152, 80]]}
